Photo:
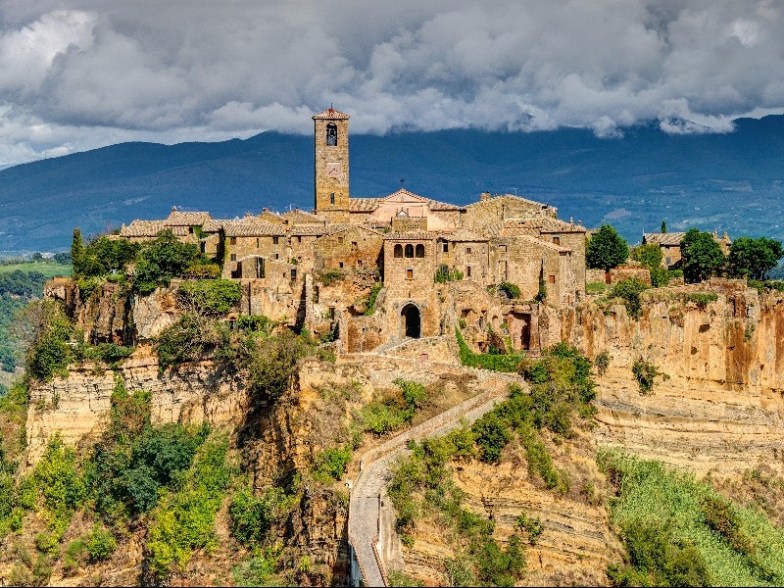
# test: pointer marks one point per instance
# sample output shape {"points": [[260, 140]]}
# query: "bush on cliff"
{"points": [[629, 291], [103, 256], [191, 338], [161, 260], [211, 297], [47, 333]]}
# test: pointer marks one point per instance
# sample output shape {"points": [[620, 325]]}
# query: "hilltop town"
{"points": [[403, 240]]}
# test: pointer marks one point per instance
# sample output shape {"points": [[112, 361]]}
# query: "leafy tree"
{"points": [[701, 256], [77, 247], [650, 255], [754, 258], [104, 256], [606, 249], [210, 296], [161, 260]]}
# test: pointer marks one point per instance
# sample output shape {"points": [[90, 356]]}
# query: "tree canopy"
{"points": [[701, 256], [606, 249], [754, 258], [650, 255]]}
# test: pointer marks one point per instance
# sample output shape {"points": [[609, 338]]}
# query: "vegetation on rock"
{"points": [[701, 256]]}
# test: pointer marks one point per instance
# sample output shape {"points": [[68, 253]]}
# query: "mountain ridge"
{"points": [[634, 181]]}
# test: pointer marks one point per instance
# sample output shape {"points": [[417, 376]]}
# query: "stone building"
{"points": [[670, 244], [317, 269]]}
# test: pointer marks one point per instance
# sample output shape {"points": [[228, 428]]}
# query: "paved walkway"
{"points": [[365, 515]]}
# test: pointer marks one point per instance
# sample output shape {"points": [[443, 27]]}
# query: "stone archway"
{"points": [[411, 320]]}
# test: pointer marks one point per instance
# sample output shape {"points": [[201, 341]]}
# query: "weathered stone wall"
{"points": [[354, 248], [470, 257]]}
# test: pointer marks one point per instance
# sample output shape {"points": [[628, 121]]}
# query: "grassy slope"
{"points": [[47, 268]]}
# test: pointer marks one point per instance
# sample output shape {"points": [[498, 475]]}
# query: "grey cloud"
{"points": [[78, 74]]}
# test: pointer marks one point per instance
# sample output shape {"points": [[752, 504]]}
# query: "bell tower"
{"points": [[331, 165]]}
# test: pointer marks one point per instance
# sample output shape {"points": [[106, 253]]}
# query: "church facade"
{"points": [[376, 270]]}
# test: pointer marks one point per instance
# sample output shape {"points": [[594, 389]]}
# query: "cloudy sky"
{"points": [[77, 74]]}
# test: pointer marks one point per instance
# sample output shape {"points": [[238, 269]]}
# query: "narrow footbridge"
{"points": [[370, 525]]}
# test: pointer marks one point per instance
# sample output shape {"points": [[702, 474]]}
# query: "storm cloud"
{"points": [[76, 75]]}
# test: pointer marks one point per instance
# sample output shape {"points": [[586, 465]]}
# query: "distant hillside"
{"points": [[733, 182]]}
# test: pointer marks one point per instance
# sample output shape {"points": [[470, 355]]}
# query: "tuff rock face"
{"points": [[716, 407]]}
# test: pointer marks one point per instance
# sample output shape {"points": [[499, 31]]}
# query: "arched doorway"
{"points": [[412, 321]]}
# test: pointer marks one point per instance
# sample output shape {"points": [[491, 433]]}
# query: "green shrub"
{"points": [[210, 296], [498, 363], [259, 570], [532, 527], [414, 393], [645, 373], [50, 351], [108, 353], [185, 519], [161, 260], [398, 578], [251, 516], [370, 309], [630, 290], [100, 543], [701, 299], [254, 324], [329, 277], [510, 290], [446, 274], [191, 338], [499, 567], [602, 362], [491, 435], [331, 463], [74, 557], [383, 417]]}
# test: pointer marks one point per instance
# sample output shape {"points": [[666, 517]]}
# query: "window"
{"points": [[275, 240], [468, 250], [332, 198], [468, 271], [502, 248], [409, 274], [420, 250], [446, 248], [504, 270], [409, 250], [551, 278], [354, 246], [398, 251], [332, 134], [257, 242], [293, 274], [260, 268], [299, 239], [556, 240], [340, 240], [232, 240], [359, 263], [277, 256], [233, 257], [340, 265], [190, 230]]}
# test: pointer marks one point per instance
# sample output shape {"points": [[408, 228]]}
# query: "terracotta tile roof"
{"points": [[462, 235], [544, 244], [545, 224], [507, 197], [331, 114], [216, 224], [312, 230], [663, 238], [363, 204], [300, 217], [411, 236], [142, 228], [185, 218], [252, 228]]}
